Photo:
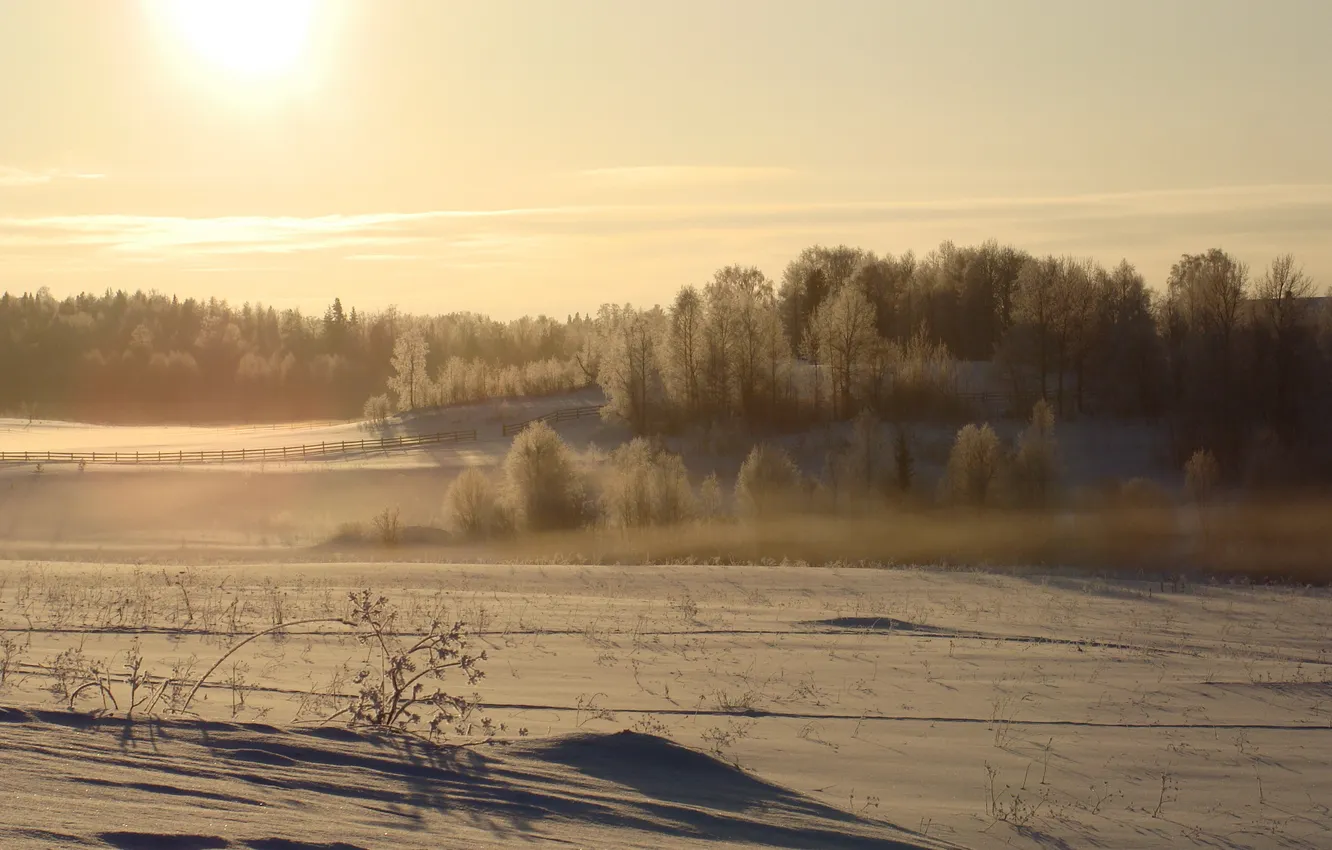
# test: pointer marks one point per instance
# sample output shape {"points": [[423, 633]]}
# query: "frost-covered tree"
{"points": [[843, 331], [629, 370], [1036, 463], [719, 345], [768, 483], [646, 486], [410, 382], [682, 349], [973, 466]]}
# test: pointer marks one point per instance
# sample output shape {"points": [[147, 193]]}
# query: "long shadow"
{"points": [[883, 624], [679, 791], [888, 624], [663, 770], [162, 841], [291, 844], [624, 781], [169, 790]]}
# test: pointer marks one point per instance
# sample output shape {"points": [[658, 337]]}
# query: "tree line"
{"points": [[152, 358], [1223, 356], [1220, 355]]}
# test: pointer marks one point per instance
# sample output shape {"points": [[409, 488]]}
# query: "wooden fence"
{"points": [[303, 452], [565, 415], [308, 425]]}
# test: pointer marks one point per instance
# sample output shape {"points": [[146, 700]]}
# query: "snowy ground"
{"points": [[764, 706], [965, 708], [487, 419]]}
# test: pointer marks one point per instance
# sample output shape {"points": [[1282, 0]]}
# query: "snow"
{"points": [[485, 418], [862, 706]]}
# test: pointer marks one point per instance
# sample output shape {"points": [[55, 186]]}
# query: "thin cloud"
{"points": [[231, 234], [684, 175], [385, 258], [12, 177], [465, 234]]}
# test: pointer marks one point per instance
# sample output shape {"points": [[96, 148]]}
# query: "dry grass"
{"points": [[1283, 540]]}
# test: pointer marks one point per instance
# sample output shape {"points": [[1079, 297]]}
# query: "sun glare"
{"points": [[247, 38]]}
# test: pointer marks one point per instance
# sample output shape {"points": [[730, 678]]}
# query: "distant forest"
{"points": [[1221, 354], [152, 358]]}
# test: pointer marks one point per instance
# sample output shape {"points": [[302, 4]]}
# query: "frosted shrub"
{"points": [[388, 527], [543, 487], [973, 466], [1036, 463], [472, 506], [768, 483], [646, 486], [711, 501], [376, 411]]}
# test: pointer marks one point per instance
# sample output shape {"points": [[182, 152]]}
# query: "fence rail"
{"points": [[564, 415], [307, 425], [302, 452]]}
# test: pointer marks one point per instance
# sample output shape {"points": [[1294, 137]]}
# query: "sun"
{"points": [[257, 39]]}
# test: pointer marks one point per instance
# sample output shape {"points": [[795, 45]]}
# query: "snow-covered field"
{"points": [[666, 706], [485, 418], [964, 708]]}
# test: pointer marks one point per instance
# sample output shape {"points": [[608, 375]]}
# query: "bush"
{"points": [[768, 483], [646, 486], [1201, 475], [542, 486], [388, 530], [472, 507], [376, 411], [349, 533], [401, 685], [973, 466], [1036, 464], [711, 502]]}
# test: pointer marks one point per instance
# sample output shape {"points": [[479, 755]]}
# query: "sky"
{"points": [[546, 156]]}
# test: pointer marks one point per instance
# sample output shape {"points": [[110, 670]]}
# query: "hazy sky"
{"points": [[514, 156]]}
